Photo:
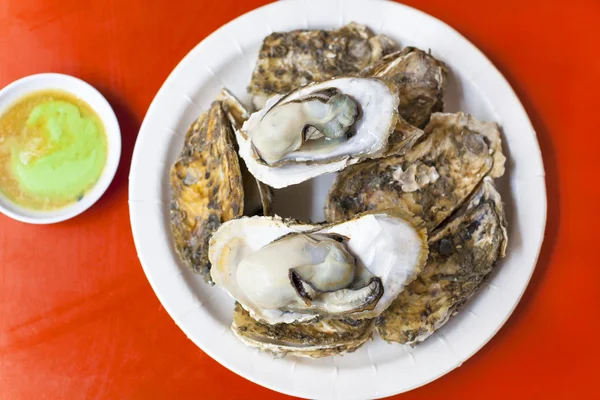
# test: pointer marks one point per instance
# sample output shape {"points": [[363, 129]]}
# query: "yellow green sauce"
{"points": [[53, 150]]}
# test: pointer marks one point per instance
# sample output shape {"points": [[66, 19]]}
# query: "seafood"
{"points": [[415, 224], [420, 79], [318, 129], [237, 115], [322, 338], [206, 186], [288, 60], [431, 180], [283, 271], [463, 253]]}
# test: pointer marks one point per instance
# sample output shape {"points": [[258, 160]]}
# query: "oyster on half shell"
{"points": [[206, 187], [322, 338], [283, 271], [431, 180], [318, 129], [463, 252], [289, 60], [420, 79]]}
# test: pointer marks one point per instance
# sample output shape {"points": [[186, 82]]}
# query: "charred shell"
{"points": [[420, 79], [322, 338], [288, 60], [431, 180], [206, 187], [463, 252]]}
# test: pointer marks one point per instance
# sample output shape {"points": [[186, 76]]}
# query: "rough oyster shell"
{"points": [[388, 246], [207, 187], [420, 79], [288, 60], [431, 180], [463, 252], [403, 139], [322, 338]]}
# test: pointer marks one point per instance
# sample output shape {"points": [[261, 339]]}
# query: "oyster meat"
{"points": [[206, 185], [420, 79], [284, 271], [322, 338], [288, 60], [318, 129], [431, 180], [463, 252]]}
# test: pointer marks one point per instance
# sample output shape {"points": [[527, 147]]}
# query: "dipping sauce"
{"points": [[53, 149]]}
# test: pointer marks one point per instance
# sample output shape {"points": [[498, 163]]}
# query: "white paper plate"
{"points": [[204, 313]]}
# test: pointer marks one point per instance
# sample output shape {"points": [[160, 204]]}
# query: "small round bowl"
{"points": [[87, 93]]}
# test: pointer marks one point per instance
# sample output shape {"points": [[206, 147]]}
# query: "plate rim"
{"points": [[489, 66]]}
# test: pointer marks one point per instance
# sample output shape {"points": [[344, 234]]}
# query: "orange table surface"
{"points": [[78, 319]]}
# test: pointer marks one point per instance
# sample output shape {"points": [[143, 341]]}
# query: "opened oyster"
{"points": [[322, 338], [431, 180], [283, 271], [289, 60], [463, 252], [206, 185], [420, 79], [318, 129]]}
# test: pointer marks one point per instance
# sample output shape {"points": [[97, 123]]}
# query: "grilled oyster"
{"points": [[284, 271], [463, 252], [206, 185], [431, 180], [420, 79], [318, 129], [288, 60], [403, 139], [322, 338], [237, 115]]}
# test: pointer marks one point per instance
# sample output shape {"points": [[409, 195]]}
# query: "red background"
{"points": [[78, 318]]}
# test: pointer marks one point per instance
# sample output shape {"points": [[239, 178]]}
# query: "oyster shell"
{"points": [[237, 115], [285, 271], [463, 252], [207, 187], [288, 60], [322, 338], [317, 129], [420, 79], [403, 139], [431, 180]]}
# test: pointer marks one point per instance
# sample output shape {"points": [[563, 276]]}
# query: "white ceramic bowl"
{"points": [[91, 96], [204, 313]]}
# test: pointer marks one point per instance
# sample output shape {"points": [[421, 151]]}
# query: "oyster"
{"points": [[420, 79], [237, 115], [206, 185], [322, 338], [318, 129], [285, 271], [403, 139], [431, 180], [288, 60], [462, 254]]}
